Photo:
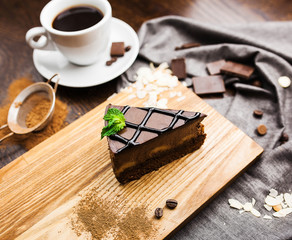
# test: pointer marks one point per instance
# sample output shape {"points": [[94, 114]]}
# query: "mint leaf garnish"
{"points": [[116, 122]]}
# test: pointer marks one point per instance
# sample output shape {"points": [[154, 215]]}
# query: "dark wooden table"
{"points": [[18, 16]]}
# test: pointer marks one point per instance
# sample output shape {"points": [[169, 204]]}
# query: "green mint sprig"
{"points": [[116, 122]]}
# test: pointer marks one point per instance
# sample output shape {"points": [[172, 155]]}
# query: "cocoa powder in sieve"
{"points": [[40, 108], [57, 122]]}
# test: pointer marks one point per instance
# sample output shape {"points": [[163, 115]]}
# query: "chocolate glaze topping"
{"points": [[176, 116]]}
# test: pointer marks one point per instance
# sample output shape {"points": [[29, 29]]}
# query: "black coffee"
{"points": [[77, 18]]}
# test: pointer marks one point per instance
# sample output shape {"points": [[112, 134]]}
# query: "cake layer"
{"points": [[158, 156]]}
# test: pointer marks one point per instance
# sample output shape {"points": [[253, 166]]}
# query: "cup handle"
{"points": [[43, 43]]}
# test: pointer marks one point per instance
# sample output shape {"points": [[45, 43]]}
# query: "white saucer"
{"points": [[49, 63]]}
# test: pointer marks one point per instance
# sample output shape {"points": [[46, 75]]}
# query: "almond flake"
{"points": [[247, 207], [284, 81], [241, 211], [269, 208], [273, 193], [235, 203], [141, 94], [255, 212], [162, 103], [286, 211], [253, 201], [288, 199], [271, 201], [267, 217], [280, 197], [284, 205], [279, 214]]}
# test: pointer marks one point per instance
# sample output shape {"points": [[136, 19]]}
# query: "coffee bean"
{"points": [[262, 129], [128, 48], [171, 203], [258, 113], [158, 212], [284, 137], [108, 63]]}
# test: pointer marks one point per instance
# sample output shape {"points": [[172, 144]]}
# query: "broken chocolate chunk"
{"points": [[215, 67], [188, 45], [237, 69], [178, 68], [117, 49], [208, 85]]}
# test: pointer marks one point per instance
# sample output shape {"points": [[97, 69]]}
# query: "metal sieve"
{"points": [[22, 105]]}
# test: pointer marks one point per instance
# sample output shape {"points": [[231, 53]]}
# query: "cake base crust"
{"points": [[161, 159]]}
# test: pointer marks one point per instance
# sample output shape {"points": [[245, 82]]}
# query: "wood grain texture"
{"points": [[18, 16], [39, 190]]}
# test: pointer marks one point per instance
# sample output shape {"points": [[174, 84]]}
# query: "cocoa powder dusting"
{"points": [[40, 108], [111, 219], [30, 140]]}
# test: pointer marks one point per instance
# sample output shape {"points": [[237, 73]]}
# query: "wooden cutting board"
{"points": [[39, 190]]}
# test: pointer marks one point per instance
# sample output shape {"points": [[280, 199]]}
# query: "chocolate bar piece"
{"points": [[208, 85], [237, 69], [188, 45], [118, 49], [178, 68], [215, 67]]}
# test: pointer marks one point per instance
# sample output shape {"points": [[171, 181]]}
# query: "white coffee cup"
{"points": [[83, 47]]}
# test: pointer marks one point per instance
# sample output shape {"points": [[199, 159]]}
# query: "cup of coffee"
{"points": [[79, 29]]}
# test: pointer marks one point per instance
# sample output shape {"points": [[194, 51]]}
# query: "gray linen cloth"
{"points": [[267, 46]]}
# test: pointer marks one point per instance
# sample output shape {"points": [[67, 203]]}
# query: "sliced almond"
{"points": [[255, 212], [269, 208], [141, 94], [162, 103], [241, 211], [286, 211], [267, 217], [273, 193], [279, 214], [247, 207], [271, 201], [288, 199], [235, 203]]}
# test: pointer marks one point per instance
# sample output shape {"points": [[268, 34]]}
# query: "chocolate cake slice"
{"points": [[152, 138]]}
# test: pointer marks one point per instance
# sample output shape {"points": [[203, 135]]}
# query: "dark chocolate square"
{"points": [[118, 49], [178, 68], [237, 69], [208, 85], [215, 67]]}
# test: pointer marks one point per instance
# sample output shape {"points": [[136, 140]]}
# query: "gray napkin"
{"points": [[267, 46]]}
